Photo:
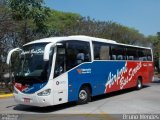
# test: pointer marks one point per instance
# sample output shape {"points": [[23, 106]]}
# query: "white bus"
{"points": [[57, 70]]}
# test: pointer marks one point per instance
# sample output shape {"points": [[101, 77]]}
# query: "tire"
{"points": [[84, 95], [139, 84]]}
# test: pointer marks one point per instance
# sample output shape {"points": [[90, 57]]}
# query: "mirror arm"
{"points": [[10, 53]]}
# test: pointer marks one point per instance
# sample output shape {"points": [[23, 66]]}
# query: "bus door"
{"points": [[60, 77]]}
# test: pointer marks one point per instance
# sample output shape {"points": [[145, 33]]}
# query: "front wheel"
{"points": [[139, 84], [84, 95]]}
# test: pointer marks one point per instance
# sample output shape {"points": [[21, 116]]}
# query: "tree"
{"points": [[156, 50], [61, 23], [21, 21], [108, 30], [31, 15], [7, 26]]}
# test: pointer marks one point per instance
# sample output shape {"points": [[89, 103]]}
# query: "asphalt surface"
{"points": [[130, 101]]}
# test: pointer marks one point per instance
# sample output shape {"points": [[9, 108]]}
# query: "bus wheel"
{"points": [[139, 84], [84, 95]]}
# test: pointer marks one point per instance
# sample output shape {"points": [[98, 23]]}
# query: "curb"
{"points": [[6, 95]]}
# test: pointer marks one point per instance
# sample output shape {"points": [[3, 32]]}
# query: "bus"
{"points": [[57, 70]]}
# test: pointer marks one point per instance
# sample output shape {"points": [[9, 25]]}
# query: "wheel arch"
{"points": [[87, 85], [139, 83], [140, 78]]}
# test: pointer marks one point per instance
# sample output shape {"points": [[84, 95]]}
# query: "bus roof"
{"points": [[75, 37], [82, 38]]}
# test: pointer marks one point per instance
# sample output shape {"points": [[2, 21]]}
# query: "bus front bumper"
{"points": [[33, 99]]}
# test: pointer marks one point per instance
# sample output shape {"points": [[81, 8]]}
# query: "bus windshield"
{"points": [[31, 64]]}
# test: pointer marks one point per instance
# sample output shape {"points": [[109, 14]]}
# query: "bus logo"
{"points": [[79, 71], [84, 71]]}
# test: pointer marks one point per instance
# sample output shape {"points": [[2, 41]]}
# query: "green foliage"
{"points": [[154, 40], [156, 49], [59, 22], [31, 15], [105, 29], [155, 45]]}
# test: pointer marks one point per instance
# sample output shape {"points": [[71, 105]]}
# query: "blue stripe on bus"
{"points": [[34, 88], [96, 74]]}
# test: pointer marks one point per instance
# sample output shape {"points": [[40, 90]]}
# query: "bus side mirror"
{"points": [[10, 54]]}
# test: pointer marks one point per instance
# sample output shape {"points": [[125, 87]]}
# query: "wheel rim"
{"points": [[139, 84], [83, 95]]}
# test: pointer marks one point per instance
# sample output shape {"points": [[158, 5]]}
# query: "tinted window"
{"points": [[101, 51], [31, 63], [142, 54], [118, 52], [149, 55], [77, 52], [131, 53]]}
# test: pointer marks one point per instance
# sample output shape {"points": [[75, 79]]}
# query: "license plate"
{"points": [[27, 100]]}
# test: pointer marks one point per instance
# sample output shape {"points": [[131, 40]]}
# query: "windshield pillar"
{"points": [[47, 51]]}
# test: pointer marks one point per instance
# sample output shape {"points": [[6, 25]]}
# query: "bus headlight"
{"points": [[45, 92]]}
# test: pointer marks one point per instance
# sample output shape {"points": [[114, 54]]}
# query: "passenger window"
{"points": [[113, 57], [130, 57], [77, 53], [148, 54], [131, 53], [101, 51], [141, 54], [149, 58], [119, 57], [118, 52]]}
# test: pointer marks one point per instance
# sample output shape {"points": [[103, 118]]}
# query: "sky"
{"points": [[142, 15]]}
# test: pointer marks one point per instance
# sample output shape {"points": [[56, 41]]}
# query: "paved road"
{"points": [[146, 100]]}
